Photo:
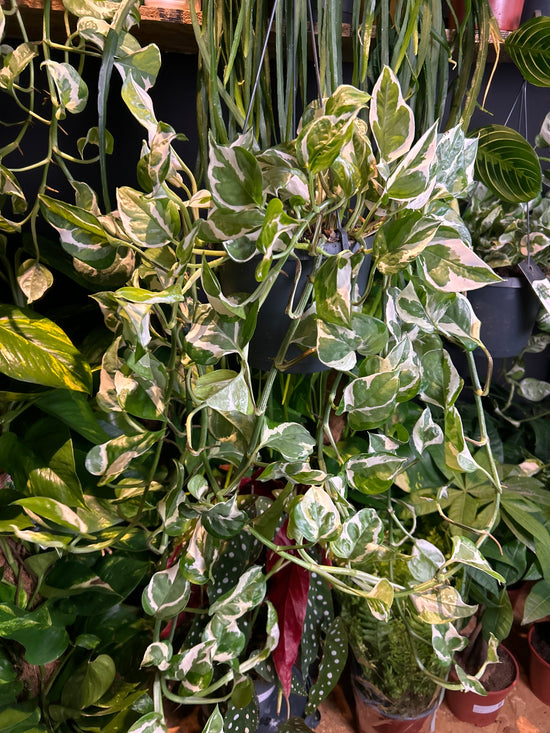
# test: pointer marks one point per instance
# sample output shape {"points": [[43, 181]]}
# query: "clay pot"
{"points": [[481, 710], [508, 13], [539, 668]]}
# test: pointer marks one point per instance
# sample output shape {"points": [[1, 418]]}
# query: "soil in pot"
{"points": [[498, 679]]}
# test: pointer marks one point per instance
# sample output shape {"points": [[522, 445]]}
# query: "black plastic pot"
{"points": [[268, 700], [508, 312], [273, 323]]}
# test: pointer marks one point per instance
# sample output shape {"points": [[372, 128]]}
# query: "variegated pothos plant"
{"points": [[212, 483]]}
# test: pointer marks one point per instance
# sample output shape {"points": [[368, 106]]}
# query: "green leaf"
{"points": [[333, 291], [465, 552], [247, 594], [441, 605], [373, 474], [358, 532], [149, 723], [89, 683], [449, 265], [391, 120], [235, 177], [214, 724], [139, 103], [401, 239], [529, 50], [34, 279], [110, 459], [314, 516], [446, 641], [36, 350], [224, 520], [507, 164], [167, 593], [426, 560], [149, 221], [53, 511], [370, 401], [72, 91], [143, 65], [291, 440], [24, 718], [15, 62], [225, 390], [412, 178], [537, 603], [158, 654], [74, 409]]}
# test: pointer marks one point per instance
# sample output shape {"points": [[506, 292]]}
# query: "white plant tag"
{"points": [[538, 281]]}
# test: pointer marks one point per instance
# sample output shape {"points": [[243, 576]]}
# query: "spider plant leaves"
{"points": [[529, 49], [36, 350], [507, 164], [391, 119]]}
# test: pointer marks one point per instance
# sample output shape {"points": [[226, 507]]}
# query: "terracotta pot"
{"points": [[507, 12], [480, 710], [539, 668], [370, 719]]}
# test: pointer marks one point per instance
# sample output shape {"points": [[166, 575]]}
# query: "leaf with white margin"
{"points": [[315, 516], [466, 553], [401, 239], [15, 62], [172, 294], [210, 337], [412, 177], [151, 722], [234, 177], [404, 360], [224, 520], [457, 453], [228, 637], [374, 474], [370, 401], [450, 265], [2, 23], [336, 345], [380, 599], [225, 305], [214, 724], [247, 594], [272, 640], [225, 391], [426, 432], [290, 439], [166, 594], [42, 508], [143, 65], [149, 221], [446, 641], [193, 564], [360, 531], [426, 560], [139, 103], [391, 119], [109, 459], [441, 605], [469, 682], [158, 654], [321, 140], [441, 381], [72, 91], [193, 667], [455, 159], [332, 288]]}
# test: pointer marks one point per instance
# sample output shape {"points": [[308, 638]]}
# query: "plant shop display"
{"points": [[175, 520]]}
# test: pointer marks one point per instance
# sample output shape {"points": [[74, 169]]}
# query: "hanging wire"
{"points": [[521, 98], [259, 70]]}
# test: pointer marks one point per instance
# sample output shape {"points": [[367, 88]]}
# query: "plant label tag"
{"points": [[538, 281]]}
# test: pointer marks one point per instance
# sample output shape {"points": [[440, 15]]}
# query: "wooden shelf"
{"points": [[167, 26]]}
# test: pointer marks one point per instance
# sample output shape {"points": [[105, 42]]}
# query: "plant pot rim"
{"points": [[506, 689], [532, 648]]}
